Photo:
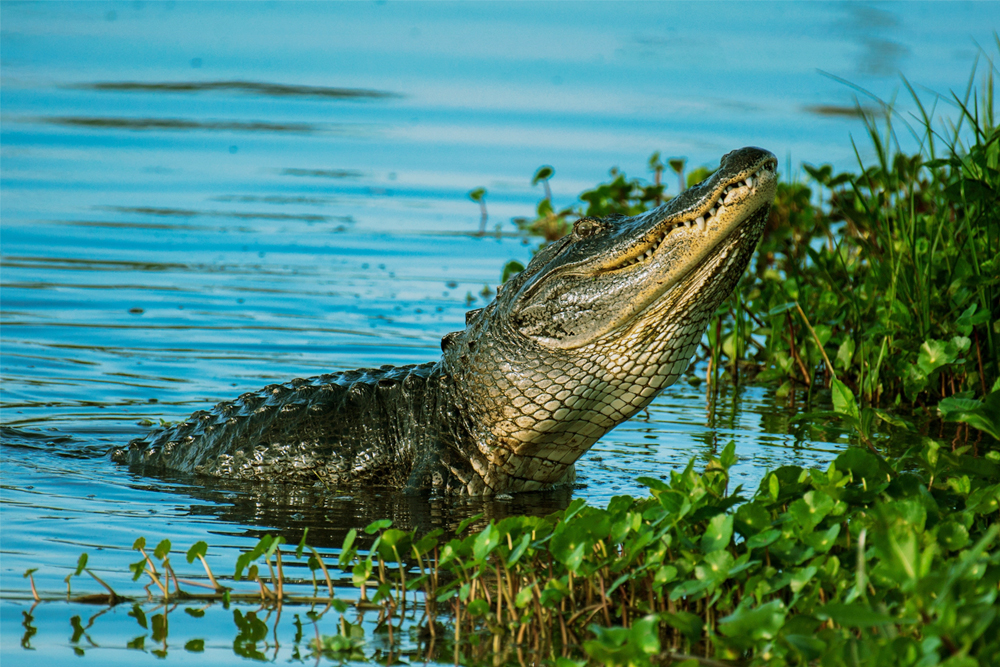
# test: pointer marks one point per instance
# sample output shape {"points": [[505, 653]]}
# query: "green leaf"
{"points": [[511, 269], [718, 533], [524, 596], [688, 624], [934, 354], [467, 522], [195, 646], [855, 615], [728, 456], [762, 622], [751, 518], [845, 354], [822, 541], [138, 568], [863, 466], [376, 526], [486, 542], [162, 549], [81, 563], [843, 400], [519, 550], [544, 173], [478, 607], [812, 648], [802, 577], [302, 543], [477, 194], [346, 551], [981, 414], [952, 535], [811, 509], [197, 549], [777, 310], [764, 539]]}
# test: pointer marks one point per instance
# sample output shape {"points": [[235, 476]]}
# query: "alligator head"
{"points": [[599, 322]]}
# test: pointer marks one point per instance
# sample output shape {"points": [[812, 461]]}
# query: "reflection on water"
{"points": [[185, 218]]}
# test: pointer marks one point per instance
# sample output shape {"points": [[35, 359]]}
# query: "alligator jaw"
{"points": [[721, 209], [609, 272]]}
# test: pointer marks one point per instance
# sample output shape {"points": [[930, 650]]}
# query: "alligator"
{"points": [[583, 338]]}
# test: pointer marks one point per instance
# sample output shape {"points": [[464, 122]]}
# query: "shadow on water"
{"points": [[110, 123], [248, 87]]}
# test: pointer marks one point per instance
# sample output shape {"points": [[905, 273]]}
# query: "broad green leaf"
{"points": [[197, 549], [162, 549], [468, 522], [764, 539], [376, 526], [762, 622], [478, 607], [934, 354], [845, 354], [811, 509], [718, 533], [843, 400], [486, 542], [823, 540], [802, 577], [751, 518]]}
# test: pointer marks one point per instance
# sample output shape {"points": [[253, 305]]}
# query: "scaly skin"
{"points": [[595, 326]]}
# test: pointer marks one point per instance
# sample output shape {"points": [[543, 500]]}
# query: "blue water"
{"points": [[164, 249]]}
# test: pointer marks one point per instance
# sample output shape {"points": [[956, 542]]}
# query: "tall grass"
{"points": [[897, 267]]}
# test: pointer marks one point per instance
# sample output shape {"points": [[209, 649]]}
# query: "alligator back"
{"points": [[360, 425]]}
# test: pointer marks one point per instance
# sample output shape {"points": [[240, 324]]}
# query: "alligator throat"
{"points": [[596, 325]]}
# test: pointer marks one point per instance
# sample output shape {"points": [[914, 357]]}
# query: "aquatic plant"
{"points": [[872, 561]]}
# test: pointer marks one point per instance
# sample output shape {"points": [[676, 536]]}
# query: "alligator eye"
{"points": [[585, 227]]}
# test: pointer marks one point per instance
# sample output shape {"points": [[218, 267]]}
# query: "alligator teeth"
{"points": [[701, 224], [750, 181], [711, 212]]}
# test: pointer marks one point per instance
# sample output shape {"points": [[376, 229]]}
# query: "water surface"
{"points": [[201, 199]]}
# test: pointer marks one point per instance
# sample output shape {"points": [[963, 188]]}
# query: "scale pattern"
{"points": [[584, 338]]}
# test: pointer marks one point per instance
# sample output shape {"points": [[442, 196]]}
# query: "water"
{"points": [[198, 200]]}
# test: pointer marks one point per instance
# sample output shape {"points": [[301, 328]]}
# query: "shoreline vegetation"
{"points": [[887, 280], [881, 287], [872, 561]]}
